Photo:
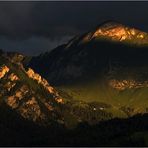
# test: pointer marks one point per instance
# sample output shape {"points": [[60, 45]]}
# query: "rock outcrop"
{"points": [[3, 70], [26, 92], [127, 84], [31, 74], [116, 32]]}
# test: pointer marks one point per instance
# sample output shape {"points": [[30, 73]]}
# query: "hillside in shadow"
{"points": [[15, 131], [90, 60]]}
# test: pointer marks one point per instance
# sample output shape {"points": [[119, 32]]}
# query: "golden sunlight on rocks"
{"points": [[28, 94], [9, 85], [24, 89], [30, 109], [49, 107], [126, 84], [117, 32], [44, 83], [13, 77], [140, 36], [39, 79], [50, 89], [12, 102], [59, 100], [3, 70], [133, 31], [31, 101], [20, 93], [33, 75]]}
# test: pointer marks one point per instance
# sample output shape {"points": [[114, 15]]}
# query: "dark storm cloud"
{"points": [[19, 20], [32, 45], [34, 26], [56, 19]]}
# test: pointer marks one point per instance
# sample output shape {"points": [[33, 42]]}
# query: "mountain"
{"points": [[91, 91], [31, 97], [25, 91], [107, 65], [113, 31]]}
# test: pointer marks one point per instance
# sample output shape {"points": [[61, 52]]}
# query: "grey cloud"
{"points": [[19, 20], [33, 45], [34, 26]]}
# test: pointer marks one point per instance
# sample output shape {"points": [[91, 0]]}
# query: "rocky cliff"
{"points": [[25, 91]]}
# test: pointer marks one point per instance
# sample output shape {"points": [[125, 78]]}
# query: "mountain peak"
{"points": [[118, 32], [115, 31]]}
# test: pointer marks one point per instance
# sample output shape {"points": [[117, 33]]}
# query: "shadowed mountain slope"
{"points": [[107, 64]]}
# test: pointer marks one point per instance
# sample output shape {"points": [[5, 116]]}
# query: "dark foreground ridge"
{"points": [[116, 132]]}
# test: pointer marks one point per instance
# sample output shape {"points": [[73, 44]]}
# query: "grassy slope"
{"points": [[94, 92]]}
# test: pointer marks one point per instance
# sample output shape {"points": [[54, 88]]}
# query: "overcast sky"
{"points": [[34, 27]]}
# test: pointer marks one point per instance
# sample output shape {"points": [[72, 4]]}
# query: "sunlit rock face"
{"points": [[127, 84], [26, 92], [33, 75], [44, 83], [14, 100], [31, 109], [13, 77], [3, 70], [9, 85], [116, 32], [19, 98]]}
